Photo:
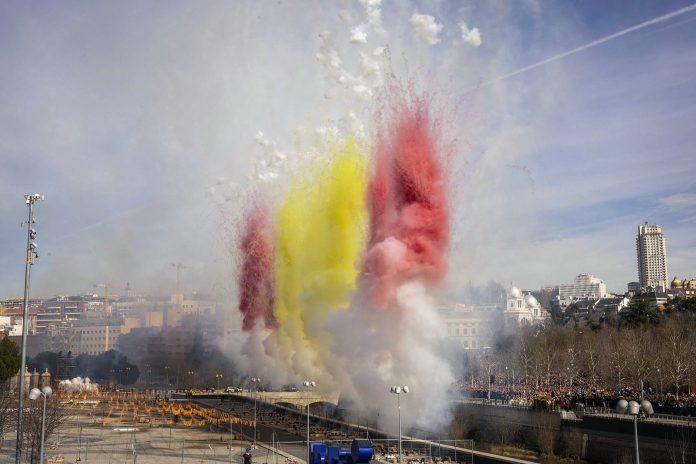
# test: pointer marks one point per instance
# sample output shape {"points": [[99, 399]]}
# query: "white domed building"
{"points": [[523, 309]]}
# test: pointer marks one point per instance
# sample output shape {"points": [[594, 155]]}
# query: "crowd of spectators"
{"points": [[566, 396]]}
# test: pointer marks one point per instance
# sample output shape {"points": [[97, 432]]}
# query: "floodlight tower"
{"points": [[309, 385], [398, 390], [31, 256]]}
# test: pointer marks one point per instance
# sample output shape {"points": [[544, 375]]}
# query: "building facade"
{"points": [[467, 326], [523, 309], [651, 250], [584, 286], [687, 286]]}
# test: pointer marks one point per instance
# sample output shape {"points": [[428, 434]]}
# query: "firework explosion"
{"points": [[341, 293]]}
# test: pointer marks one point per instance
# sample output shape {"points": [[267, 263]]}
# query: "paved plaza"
{"points": [[80, 440]]}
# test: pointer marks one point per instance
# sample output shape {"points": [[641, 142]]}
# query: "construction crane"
{"points": [[179, 267], [106, 287]]}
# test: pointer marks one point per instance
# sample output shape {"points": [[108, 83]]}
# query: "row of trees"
{"points": [[108, 367], [646, 346], [196, 363]]}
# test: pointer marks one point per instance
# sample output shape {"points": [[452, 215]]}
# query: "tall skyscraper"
{"points": [[652, 256]]}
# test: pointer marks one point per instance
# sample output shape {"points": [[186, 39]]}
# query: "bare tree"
{"points": [[677, 352], [546, 434], [55, 415], [678, 448], [526, 356], [639, 352], [616, 362], [8, 406], [591, 352]]}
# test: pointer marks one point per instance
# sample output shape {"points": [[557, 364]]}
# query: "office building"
{"points": [[651, 249]]}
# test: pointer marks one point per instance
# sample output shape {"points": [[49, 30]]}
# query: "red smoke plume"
{"points": [[408, 206], [256, 273]]}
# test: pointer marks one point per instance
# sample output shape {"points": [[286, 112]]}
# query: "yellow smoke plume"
{"points": [[320, 235]]}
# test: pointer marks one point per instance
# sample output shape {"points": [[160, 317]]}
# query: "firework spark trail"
{"points": [[256, 273], [408, 208]]}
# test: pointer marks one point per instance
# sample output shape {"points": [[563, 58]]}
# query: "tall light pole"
{"points": [[397, 390], [33, 395], [31, 255], [308, 384], [635, 409], [660, 376], [218, 377], [256, 381], [190, 373]]}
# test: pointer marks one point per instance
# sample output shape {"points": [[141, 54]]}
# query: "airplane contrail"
{"points": [[594, 43]]}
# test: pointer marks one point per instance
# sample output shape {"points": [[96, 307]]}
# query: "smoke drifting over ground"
{"points": [[78, 384]]}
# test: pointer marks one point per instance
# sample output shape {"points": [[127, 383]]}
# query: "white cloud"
{"points": [[426, 28], [679, 202], [471, 37]]}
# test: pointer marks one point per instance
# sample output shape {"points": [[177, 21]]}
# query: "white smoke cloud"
{"points": [[328, 56], [362, 82], [346, 16], [272, 159], [373, 12], [374, 348], [78, 384], [471, 37], [426, 28], [359, 34]]}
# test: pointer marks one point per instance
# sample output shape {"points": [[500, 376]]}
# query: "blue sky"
{"points": [[125, 114]]}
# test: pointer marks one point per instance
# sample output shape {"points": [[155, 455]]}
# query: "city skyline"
{"points": [[124, 118]]}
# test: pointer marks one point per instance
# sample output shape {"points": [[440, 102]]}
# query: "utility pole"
{"points": [[31, 255]]}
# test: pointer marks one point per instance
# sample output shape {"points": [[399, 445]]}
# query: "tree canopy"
{"points": [[639, 313], [10, 359]]}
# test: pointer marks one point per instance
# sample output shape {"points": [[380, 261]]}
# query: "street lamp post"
{"points": [[30, 257], [489, 386], [166, 376], [308, 384], [34, 395], [507, 381], [190, 373], [635, 409], [397, 390], [256, 381], [218, 377], [660, 376]]}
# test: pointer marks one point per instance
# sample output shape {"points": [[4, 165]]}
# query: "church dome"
{"points": [[676, 283], [531, 301], [515, 292]]}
